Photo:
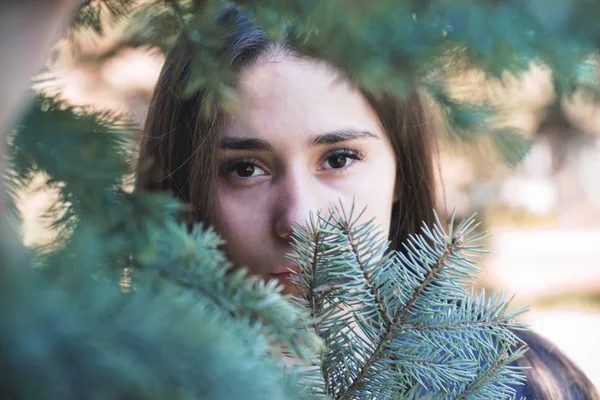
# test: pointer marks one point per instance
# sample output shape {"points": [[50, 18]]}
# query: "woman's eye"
{"points": [[337, 161], [341, 158], [242, 169], [245, 170]]}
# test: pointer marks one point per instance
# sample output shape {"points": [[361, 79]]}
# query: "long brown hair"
{"points": [[550, 374], [180, 143]]}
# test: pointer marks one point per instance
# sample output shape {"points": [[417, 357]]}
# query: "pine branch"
{"points": [[89, 15], [430, 314], [479, 381], [234, 292], [146, 344], [387, 48], [401, 317], [114, 231], [346, 229], [152, 25], [487, 376], [123, 225], [310, 234], [435, 269], [462, 325], [94, 146]]}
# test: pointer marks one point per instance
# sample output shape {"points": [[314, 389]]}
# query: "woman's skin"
{"points": [[303, 139]]}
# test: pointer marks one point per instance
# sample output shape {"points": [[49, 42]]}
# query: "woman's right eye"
{"points": [[242, 170]]}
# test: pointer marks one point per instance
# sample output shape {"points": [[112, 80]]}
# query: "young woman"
{"points": [[303, 137]]}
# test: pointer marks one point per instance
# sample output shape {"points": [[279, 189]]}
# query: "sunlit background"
{"points": [[543, 217]]}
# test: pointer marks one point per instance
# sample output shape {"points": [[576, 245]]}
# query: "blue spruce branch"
{"points": [[377, 311]]}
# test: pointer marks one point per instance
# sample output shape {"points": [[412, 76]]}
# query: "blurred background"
{"points": [[543, 216]]}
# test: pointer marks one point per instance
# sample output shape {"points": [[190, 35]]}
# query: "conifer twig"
{"points": [[374, 292], [399, 319]]}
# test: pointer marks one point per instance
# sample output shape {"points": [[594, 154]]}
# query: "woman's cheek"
{"points": [[241, 215], [376, 193], [242, 234], [237, 212]]}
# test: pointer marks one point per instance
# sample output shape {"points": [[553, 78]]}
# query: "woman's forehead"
{"points": [[299, 96], [281, 72]]}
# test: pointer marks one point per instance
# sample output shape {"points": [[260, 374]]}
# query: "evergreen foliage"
{"points": [[401, 324], [389, 46], [130, 303]]}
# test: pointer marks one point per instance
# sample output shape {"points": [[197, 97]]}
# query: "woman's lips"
{"points": [[285, 275], [287, 270]]}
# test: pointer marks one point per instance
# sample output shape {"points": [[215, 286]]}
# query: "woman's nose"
{"points": [[297, 198]]}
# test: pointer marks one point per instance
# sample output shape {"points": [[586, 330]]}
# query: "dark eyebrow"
{"points": [[232, 143], [340, 136]]}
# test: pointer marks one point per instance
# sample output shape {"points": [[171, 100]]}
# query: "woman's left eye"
{"points": [[342, 158]]}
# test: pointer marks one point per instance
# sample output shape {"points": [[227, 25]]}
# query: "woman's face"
{"points": [[303, 139]]}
